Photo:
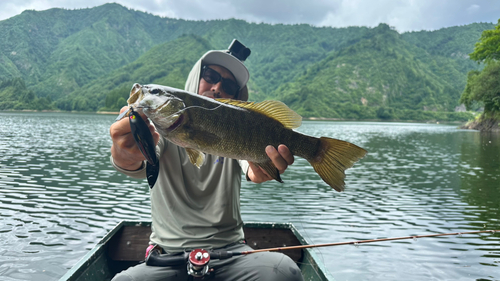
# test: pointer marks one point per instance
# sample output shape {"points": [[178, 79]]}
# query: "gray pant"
{"points": [[258, 266]]}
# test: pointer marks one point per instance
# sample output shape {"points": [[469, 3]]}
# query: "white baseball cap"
{"points": [[230, 62]]}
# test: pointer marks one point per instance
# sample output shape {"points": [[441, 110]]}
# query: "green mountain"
{"points": [[165, 64], [380, 70], [88, 59]]}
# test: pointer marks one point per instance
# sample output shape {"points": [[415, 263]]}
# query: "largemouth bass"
{"points": [[240, 130]]}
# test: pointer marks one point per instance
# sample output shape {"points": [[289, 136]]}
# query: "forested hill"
{"points": [[88, 59]]}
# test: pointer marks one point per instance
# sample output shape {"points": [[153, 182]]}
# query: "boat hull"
{"points": [[125, 245]]}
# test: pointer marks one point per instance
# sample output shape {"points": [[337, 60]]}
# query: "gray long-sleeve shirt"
{"points": [[194, 207]]}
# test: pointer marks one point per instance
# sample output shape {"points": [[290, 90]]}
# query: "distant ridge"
{"points": [[87, 60]]}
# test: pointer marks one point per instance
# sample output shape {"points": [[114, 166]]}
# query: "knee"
{"points": [[289, 269], [122, 277], [281, 267]]}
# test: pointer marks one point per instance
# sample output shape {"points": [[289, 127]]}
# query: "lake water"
{"points": [[59, 195]]}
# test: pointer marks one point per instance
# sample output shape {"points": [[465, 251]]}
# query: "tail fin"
{"points": [[334, 157]]}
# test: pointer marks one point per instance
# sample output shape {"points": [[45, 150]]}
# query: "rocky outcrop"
{"points": [[483, 124]]}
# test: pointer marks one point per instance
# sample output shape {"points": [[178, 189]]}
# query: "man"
{"points": [[199, 207]]}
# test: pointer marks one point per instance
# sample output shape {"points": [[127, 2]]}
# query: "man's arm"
{"points": [[281, 159], [124, 150]]}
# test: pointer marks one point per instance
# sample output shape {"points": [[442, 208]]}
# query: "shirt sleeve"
{"points": [[141, 172], [244, 168], [137, 174]]}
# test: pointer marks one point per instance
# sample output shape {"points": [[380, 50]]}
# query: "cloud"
{"points": [[473, 9], [363, 13], [268, 11], [412, 15], [10, 8], [295, 11], [404, 15]]}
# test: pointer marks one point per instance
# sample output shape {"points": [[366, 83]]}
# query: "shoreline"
{"points": [[107, 112], [483, 125], [384, 120], [60, 111], [304, 118]]}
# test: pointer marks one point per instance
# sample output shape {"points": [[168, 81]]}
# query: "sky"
{"points": [[403, 15]]}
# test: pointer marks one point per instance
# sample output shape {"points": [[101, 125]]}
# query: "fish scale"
{"points": [[240, 130]]}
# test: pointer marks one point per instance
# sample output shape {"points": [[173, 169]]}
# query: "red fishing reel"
{"points": [[197, 260], [197, 265]]}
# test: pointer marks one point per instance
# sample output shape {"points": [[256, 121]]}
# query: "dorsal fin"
{"points": [[271, 108]]}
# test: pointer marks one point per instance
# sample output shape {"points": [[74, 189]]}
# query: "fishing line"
{"points": [[184, 109], [304, 230], [308, 237], [197, 106]]}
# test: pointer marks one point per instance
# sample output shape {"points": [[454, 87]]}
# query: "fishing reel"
{"points": [[197, 260], [197, 265]]}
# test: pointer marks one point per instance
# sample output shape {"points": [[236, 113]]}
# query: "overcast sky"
{"points": [[404, 15]]}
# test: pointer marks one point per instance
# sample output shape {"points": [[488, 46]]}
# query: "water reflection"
{"points": [[59, 195], [480, 177], [480, 158], [408, 184]]}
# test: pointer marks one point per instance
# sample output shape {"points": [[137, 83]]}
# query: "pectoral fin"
{"points": [[196, 157], [270, 170]]}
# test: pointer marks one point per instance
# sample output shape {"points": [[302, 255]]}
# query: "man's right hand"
{"points": [[124, 150]]}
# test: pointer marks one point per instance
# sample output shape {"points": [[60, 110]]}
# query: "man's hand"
{"points": [[124, 150], [281, 158]]}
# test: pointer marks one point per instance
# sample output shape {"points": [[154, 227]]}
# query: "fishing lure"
{"points": [[144, 140]]}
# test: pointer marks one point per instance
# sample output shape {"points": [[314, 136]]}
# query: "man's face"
{"points": [[217, 90]]}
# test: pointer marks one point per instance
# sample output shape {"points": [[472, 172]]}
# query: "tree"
{"points": [[488, 47], [484, 86]]}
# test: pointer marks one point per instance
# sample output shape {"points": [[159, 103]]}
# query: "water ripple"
{"points": [[59, 196]]}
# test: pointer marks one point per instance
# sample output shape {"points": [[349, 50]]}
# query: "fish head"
{"points": [[161, 105]]}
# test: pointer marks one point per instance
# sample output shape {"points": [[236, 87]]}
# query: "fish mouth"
{"points": [[136, 94], [177, 123]]}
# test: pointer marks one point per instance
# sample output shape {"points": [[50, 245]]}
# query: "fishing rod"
{"points": [[364, 241], [197, 260]]}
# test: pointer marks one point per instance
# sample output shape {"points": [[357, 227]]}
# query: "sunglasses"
{"points": [[213, 77]]}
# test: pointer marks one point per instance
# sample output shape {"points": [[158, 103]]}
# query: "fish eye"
{"points": [[156, 91]]}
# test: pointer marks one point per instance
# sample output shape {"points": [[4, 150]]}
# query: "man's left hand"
{"points": [[281, 158]]}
